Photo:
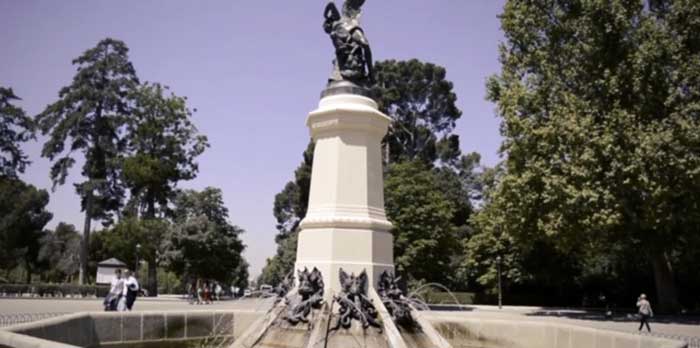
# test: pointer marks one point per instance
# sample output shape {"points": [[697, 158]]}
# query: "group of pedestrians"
{"points": [[122, 293], [204, 292]]}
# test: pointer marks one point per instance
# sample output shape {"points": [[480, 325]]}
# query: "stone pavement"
{"points": [[673, 327], [665, 326]]}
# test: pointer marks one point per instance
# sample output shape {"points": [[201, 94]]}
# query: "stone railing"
{"points": [[216, 328]]}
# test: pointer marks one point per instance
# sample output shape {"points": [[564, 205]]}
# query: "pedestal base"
{"points": [[353, 250]]}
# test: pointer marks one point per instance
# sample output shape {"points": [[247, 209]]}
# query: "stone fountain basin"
{"points": [[115, 329], [463, 332], [122, 328]]}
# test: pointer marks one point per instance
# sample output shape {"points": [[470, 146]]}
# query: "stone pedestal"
{"points": [[346, 226]]}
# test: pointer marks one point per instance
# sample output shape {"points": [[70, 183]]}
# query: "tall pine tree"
{"points": [[89, 117]]}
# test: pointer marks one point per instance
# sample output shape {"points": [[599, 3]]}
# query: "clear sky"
{"points": [[253, 69]]}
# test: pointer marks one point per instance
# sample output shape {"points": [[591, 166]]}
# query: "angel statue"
{"points": [[353, 57]]}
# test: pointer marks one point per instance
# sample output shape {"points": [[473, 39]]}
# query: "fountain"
{"points": [[345, 293]]}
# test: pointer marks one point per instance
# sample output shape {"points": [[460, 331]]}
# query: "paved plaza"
{"points": [[664, 326], [671, 327]]}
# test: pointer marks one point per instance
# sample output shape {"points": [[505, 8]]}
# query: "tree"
{"points": [[421, 104], [289, 209], [23, 216], [281, 265], [90, 117], [59, 252], [163, 144], [202, 243], [602, 152], [422, 215], [15, 128]]}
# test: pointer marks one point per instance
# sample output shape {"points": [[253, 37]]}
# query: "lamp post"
{"points": [[500, 292], [138, 254]]}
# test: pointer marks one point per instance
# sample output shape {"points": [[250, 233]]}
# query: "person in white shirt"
{"points": [[115, 291], [131, 289], [645, 312]]}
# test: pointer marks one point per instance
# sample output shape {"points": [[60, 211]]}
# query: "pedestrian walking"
{"points": [[200, 291], [218, 290], [131, 289], [115, 291], [207, 292], [645, 312]]}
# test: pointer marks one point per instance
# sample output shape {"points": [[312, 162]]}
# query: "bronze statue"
{"points": [[393, 298], [354, 303], [353, 60], [311, 292]]}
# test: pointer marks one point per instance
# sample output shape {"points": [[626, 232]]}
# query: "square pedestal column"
{"points": [[346, 226]]}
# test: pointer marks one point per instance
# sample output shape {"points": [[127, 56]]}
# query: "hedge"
{"points": [[52, 290], [463, 298]]}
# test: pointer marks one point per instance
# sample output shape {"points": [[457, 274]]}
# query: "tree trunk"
{"points": [[28, 279], [85, 241], [152, 278], [667, 296]]}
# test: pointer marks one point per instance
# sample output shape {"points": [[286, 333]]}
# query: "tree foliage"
{"points": [[289, 209], [421, 104], [605, 151], [59, 253], [89, 117], [163, 144], [424, 235], [15, 128], [202, 243], [23, 216]]}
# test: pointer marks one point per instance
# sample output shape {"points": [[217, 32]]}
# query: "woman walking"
{"points": [[645, 312]]}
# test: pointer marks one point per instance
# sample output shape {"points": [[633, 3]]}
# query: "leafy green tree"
{"points": [[424, 236], [289, 209], [202, 243], [15, 128], [281, 265], [89, 117], [601, 153], [163, 144], [421, 104], [59, 252], [121, 240], [23, 216]]}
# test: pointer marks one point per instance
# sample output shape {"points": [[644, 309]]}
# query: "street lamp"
{"points": [[500, 293], [138, 254]]}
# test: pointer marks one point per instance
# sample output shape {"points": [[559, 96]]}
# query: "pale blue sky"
{"points": [[253, 69]]}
